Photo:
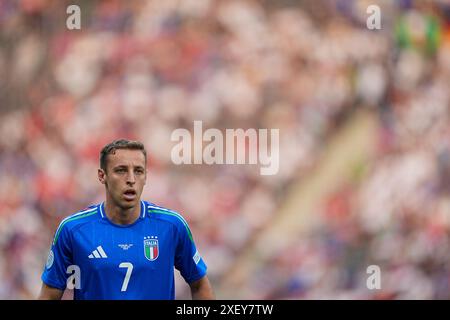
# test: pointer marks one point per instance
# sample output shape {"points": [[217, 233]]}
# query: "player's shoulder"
{"points": [[88, 214], [158, 212], [76, 219]]}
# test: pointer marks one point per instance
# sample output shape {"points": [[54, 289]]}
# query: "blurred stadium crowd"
{"points": [[140, 69]]}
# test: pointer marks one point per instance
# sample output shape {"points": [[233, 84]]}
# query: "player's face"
{"points": [[125, 177]]}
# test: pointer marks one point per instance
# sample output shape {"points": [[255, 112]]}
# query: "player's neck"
{"points": [[121, 216]]}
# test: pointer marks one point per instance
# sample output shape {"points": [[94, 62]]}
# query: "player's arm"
{"points": [[49, 293], [191, 265], [54, 277], [201, 289]]}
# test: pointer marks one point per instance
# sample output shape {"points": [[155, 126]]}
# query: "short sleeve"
{"points": [[188, 260], [59, 258]]}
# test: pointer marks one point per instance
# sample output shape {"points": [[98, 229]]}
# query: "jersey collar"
{"points": [[101, 207]]}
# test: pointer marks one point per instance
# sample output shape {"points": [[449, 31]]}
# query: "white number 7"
{"points": [[129, 267]]}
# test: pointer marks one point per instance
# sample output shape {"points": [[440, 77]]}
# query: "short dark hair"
{"points": [[111, 148]]}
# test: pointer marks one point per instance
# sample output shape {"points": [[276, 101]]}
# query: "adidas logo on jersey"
{"points": [[98, 253]]}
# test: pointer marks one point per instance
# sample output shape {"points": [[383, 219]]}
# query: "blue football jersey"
{"points": [[103, 260]]}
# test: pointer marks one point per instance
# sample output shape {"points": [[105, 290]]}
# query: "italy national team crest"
{"points": [[151, 248]]}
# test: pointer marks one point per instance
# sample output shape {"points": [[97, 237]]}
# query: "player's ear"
{"points": [[101, 176]]}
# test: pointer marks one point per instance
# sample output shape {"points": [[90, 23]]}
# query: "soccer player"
{"points": [[123, 248]]}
